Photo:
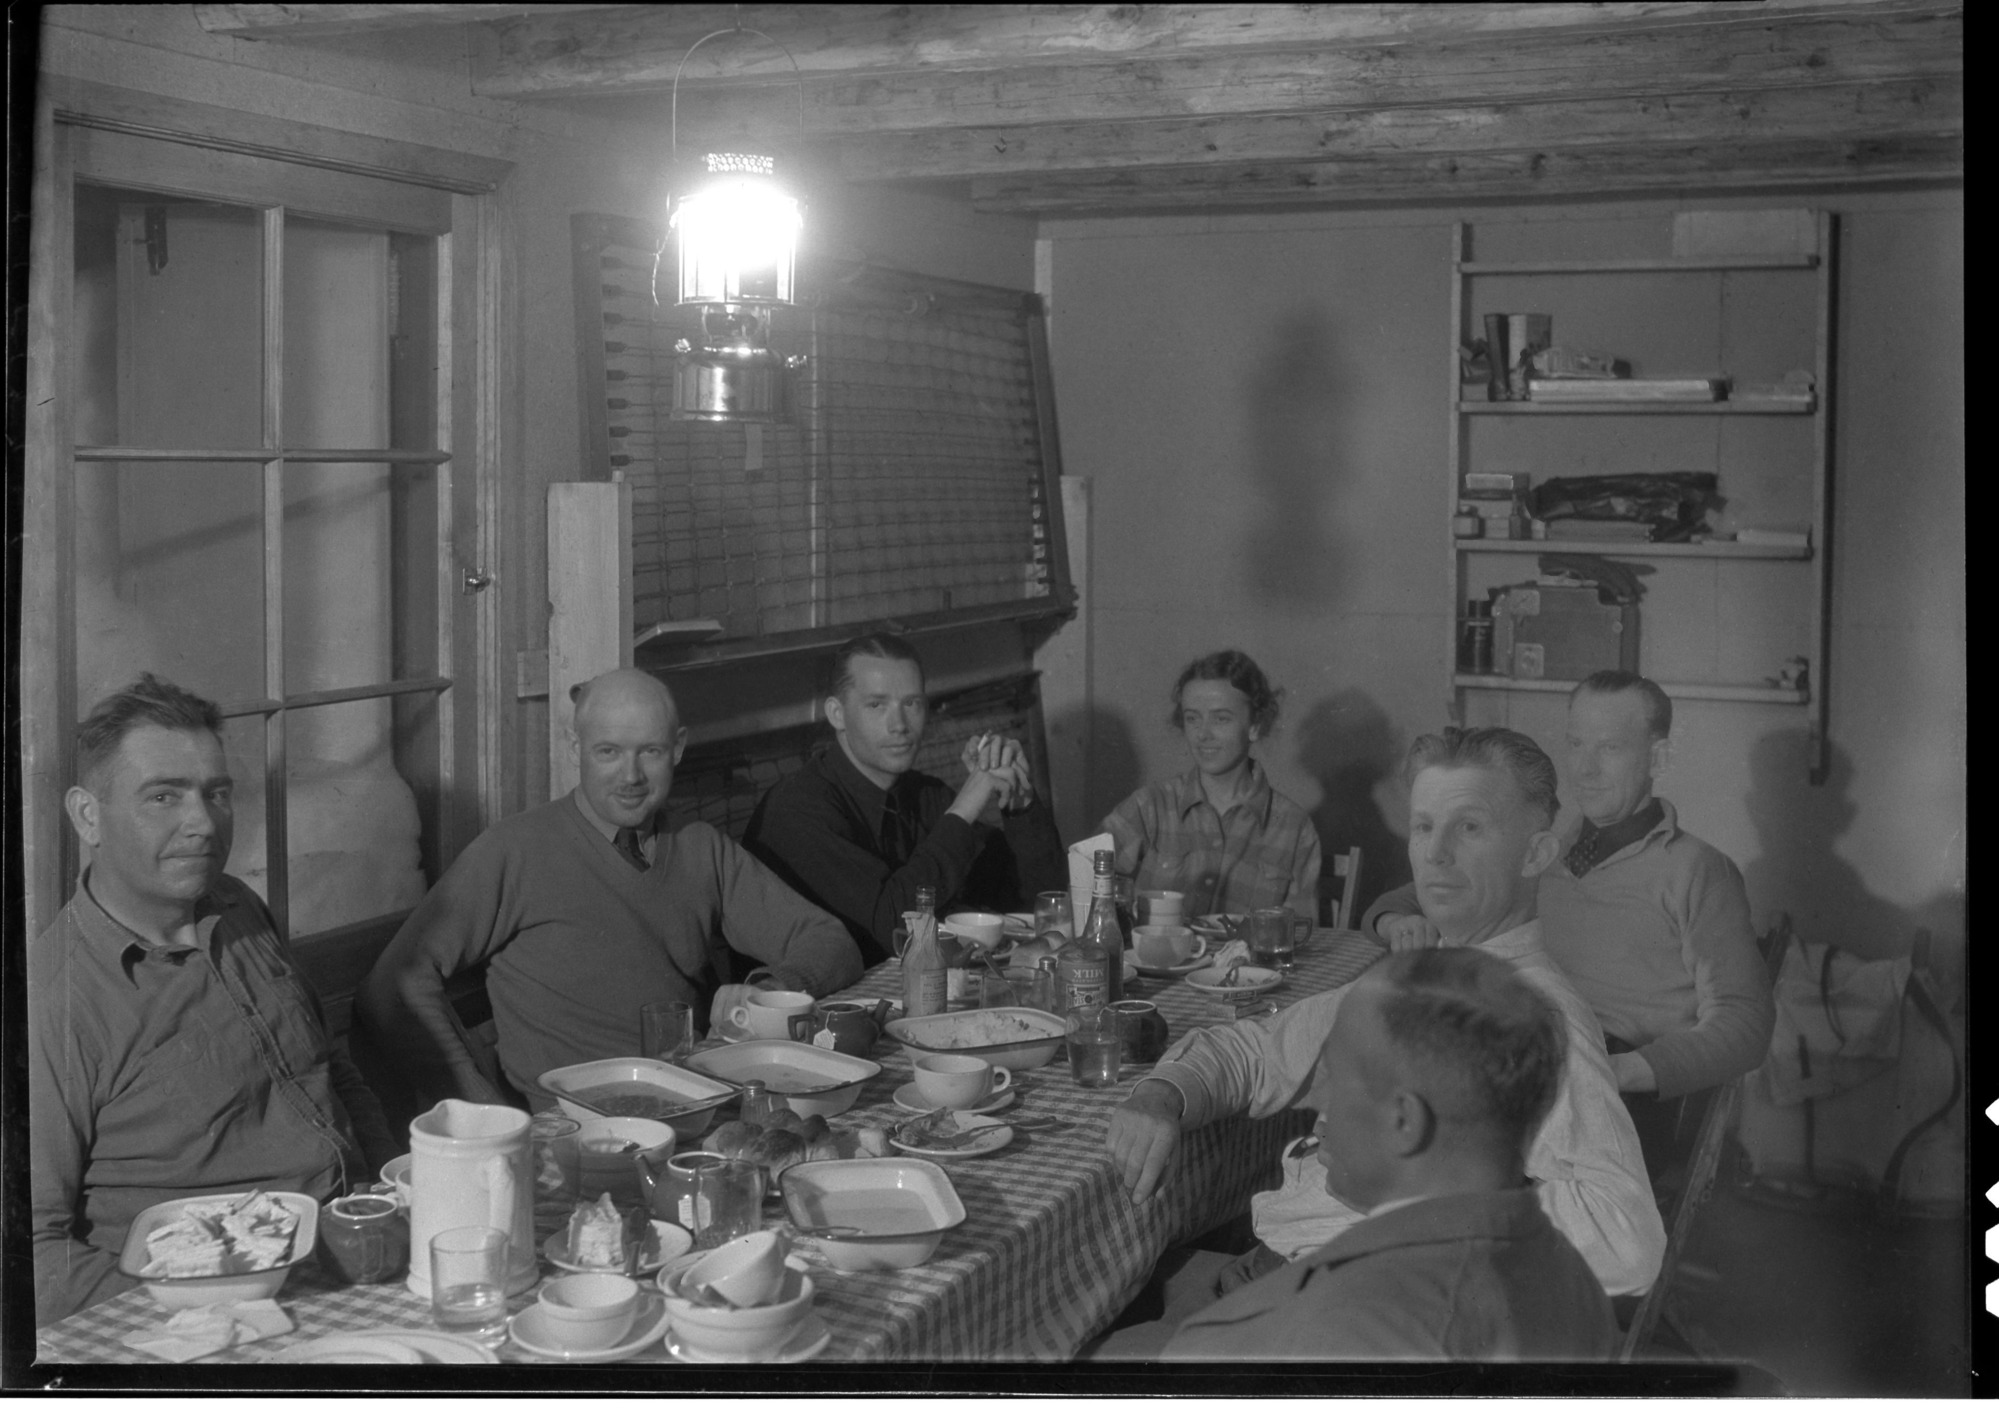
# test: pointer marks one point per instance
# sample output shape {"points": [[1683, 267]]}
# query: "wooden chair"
{"points": [[1702, 1169], [1339, 911]]}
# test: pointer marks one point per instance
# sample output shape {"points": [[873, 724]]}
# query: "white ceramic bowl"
{"points": [[184, 1292], [902, 1206], [982, 929], [604, 1149], [722, 1330], [808, 1079], [638, 1088], [745, 1272], [1014, 1037], [588, 1312], [1250, 981]]}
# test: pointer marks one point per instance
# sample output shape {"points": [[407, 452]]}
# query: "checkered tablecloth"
{"points": [[1050, 1249]]}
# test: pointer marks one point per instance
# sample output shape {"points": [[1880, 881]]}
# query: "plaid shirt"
{"points": [[1263, 854]]}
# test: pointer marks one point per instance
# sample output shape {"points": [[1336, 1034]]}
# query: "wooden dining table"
{"points": [[1050, 1251]]}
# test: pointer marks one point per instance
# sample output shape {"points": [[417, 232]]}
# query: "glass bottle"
{"points": [[1084, 965], [758, 1103], [924, 982]]}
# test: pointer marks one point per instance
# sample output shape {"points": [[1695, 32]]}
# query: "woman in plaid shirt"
{"points": [[1219, 833]]}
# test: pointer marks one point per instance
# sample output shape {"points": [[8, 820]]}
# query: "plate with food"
{"points": [[388, 1346], [1013, 1037], [215, 1250], [951, 1133], [1235, 983], [594, 1240]]}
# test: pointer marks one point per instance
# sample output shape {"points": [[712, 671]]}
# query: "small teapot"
{"points": [[850, 1027]]}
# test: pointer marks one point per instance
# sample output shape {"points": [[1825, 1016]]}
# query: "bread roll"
{"points": [[776, 1150], [785, 1120], [816, 1129], [732, 1139]]}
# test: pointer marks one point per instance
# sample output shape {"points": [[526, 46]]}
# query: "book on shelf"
{"points": [[1625, 390], [1773, 538], [1567, 529], [1496, 482]]}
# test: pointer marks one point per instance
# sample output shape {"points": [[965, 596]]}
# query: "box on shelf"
{"points": [[1510, 483], [1543, 631]]}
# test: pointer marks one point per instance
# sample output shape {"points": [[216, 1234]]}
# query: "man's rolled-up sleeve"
{"points": [[1590, 1169], [1255, 1067]]}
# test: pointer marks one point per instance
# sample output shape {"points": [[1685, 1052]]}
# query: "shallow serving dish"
{"points": [[640, 1089], [1015, 1037], [809, 1080], [183, 1292], [1249, 981], [903, 1207]]}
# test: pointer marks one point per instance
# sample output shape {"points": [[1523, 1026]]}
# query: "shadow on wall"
{"points": [[1297, 468], [1346, 743], [1799, 871], [1111, 761]]}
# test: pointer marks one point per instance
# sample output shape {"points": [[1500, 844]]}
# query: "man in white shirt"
{"points": [[1482, 806]]}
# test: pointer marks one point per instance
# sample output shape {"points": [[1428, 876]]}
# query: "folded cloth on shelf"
{"points": [[1674, 503], [204, 1329]]}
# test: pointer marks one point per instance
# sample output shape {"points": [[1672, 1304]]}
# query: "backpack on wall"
{"points": [[1862, 1089]]}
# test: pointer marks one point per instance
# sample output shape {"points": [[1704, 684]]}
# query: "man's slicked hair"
{"points": [[840, 675], [1483, 1044], [146, 702], [1494, 748], [1658, 706]]}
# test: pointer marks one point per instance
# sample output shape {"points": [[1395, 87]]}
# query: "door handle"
{"points": [[476, 580]]}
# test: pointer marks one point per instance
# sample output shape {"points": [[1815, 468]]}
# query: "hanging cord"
{"points": [[673, 129]]}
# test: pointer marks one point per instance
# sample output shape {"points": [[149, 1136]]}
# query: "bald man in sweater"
{"points": [[586, 909]]}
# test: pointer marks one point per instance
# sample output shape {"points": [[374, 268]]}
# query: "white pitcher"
{"points": [[471, 1165]]}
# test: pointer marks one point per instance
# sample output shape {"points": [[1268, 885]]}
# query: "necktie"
{"points": [[627, 844]]}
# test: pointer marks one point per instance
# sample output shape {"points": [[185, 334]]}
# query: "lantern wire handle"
{"points": [[673, 130]]}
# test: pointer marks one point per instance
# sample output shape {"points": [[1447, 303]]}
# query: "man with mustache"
{"points": [[173, 1049], [585, 909]]}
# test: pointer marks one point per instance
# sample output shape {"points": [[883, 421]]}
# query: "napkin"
{"points": [[204, 1329], [1083, 873]]}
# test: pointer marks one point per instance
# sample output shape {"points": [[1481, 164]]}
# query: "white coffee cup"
{"points": [[1165, 946], [1162, 906], [589, 1312], [981, 929], [959, 1081], [767, 1014]]}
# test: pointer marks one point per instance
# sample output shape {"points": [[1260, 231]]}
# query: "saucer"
{"points": [[529, 1331], [1178, 969], [389, 1346], [668, 1242], [812, 1335], [993, 1136], [1250, 981], [911, 1098]]}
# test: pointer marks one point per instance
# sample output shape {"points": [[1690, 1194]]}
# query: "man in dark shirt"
{"points": [[173, 1048], [858, 830]]}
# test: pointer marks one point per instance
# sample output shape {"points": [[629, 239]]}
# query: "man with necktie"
{"points": [[1650, 923], [585, 909], [859, 830]]}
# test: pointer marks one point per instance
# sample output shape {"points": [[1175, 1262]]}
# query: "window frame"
{"points": [[97, 133]]}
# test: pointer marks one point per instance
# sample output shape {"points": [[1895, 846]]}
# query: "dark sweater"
{"points": [[578, 941], [820, 829]]}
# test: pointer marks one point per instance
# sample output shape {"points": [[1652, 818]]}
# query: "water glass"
{"points": [[557, 1158], [468, 1282], [1053, 912], [666, 1030], [728, 1202], [1096, 1046], [1273, 937], [1018, 986]]}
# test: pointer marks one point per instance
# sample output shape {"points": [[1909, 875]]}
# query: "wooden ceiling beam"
{"points": [[1621, 64], [1883, 110], [637, 49], [317, 21], [1602, 170]]}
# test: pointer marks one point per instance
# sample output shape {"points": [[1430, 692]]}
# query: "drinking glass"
{"points": [[728, 1202], [468, 1282], [1053, 912], [1096, 1046], [1273, 937], [1016, 986], [556, 1157], [666, 1030]]}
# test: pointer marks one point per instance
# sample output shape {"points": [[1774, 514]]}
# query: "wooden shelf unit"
{"points": [[1820, 266]]}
